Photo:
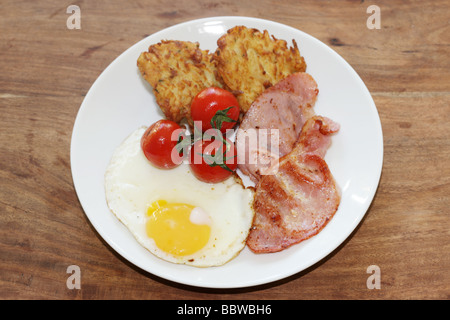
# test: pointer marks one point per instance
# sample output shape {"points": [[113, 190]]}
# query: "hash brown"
{"points": [[177, 71], [249, 61]]}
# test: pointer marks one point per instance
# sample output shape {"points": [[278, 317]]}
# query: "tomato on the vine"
{"points": [[215, 108], [213, 157], [213, 161], [159, 144]]}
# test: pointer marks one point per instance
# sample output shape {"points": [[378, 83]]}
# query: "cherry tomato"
{"points": [[208, 161], [158, 144], [211, 100]]}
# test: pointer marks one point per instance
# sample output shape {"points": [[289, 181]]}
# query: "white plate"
{"points": [[120, 101]]}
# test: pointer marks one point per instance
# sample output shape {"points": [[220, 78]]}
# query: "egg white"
{"points": [[132, 184]]}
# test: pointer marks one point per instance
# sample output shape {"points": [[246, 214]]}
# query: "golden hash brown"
{"points": [[250, 61], [177, 71]]}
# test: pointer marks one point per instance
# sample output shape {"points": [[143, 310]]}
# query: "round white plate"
{"points": [[120, 101]]}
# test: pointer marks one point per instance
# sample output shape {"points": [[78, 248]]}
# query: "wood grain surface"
{"points": [[47, 69]]}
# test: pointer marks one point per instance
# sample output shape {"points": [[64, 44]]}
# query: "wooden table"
{"points": [[47, 69]]}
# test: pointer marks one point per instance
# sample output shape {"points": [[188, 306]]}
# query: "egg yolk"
{"points": [[170, 226]]}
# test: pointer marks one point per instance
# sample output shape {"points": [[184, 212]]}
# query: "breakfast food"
{"points": [[284, 107], [177, 72], [297, 201], [250, 61], [179, 195], [174, 215]]}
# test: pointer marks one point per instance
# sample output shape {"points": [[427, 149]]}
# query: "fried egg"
{"points": [[174, 215]]}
